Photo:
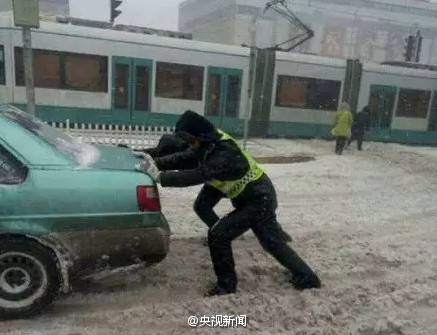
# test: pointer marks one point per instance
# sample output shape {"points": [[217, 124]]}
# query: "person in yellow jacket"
{"points": [[342, 127]]}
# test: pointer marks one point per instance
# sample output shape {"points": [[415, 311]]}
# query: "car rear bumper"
{"points": [[94, 249]]}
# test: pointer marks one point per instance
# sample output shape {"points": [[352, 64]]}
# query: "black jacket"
{"points": [[215, 159], [221, 160], [362, 122], [167, 145]]}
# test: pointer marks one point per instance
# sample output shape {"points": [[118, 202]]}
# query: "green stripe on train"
{"points": [[308, 130]]}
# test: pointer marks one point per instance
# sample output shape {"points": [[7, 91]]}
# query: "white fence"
{"points": [[135, 137]]}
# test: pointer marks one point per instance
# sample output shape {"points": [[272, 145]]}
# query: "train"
{"points": [[110, 76]]}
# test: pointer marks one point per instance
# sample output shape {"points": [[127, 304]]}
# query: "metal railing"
{"points": [[135, 137]]}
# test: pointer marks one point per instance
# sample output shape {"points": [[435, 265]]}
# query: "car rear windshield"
{"points": [[81, 153]]}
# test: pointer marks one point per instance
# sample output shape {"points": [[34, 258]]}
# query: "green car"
{"points": [[67, 209]]}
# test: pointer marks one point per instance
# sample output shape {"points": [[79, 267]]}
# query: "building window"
{"points": [[177, 81], [413, 103], [62, 70], [86, 73], [307, 93], [2, 66]]}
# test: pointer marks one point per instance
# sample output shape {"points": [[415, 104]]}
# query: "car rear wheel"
{"points": [[29, 278]]}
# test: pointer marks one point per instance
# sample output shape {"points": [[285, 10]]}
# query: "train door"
{"points": [[432, 126], [382, 104], [131, 88], [223, 96]]}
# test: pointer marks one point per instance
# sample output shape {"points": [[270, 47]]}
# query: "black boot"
{"points": [[218, 290], [306, 282], [205, 241]]}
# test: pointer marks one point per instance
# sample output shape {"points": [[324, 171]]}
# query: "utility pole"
{"points": [[251, 83], [28, 70], [26, 16], [281, 8]]}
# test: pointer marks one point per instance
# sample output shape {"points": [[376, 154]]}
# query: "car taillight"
{"points": [[148, 199]]}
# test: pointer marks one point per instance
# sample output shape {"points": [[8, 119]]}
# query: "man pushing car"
{"points": [[230, 172]]}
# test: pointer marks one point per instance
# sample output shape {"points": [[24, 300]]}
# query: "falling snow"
{"points": [[365, 221]]}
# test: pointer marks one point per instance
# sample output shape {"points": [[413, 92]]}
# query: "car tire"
{"points": [[29, 278]]}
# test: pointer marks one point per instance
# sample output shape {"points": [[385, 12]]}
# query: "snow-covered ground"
{"points": [[366, 221]]}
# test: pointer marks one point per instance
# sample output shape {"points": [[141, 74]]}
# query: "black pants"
{"points": [[340, 144], [204, 205], [256, 212], [359, 137]]}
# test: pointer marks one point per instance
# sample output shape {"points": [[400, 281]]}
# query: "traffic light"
{"points": [[410, 48], [114, 11]]}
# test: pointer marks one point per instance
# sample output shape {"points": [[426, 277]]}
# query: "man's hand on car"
{"points": [[148, 166], [140, 154]]}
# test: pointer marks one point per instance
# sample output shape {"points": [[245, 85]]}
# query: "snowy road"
{"points": [[367, 222]]}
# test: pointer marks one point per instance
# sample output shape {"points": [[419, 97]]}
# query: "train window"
{"points": [[121, 97], [214, 81], [61, 70], [413, 103], [233, 96], [308, 93], [2, 66], [86, 73], [142, 102], [46, 69], [178, 81]]}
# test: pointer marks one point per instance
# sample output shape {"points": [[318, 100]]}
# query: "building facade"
{"points": [[54, 7], [366, 29], [46, 7], [5, 5]]}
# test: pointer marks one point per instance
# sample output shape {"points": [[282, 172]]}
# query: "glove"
{"points": [[148, 166], [139, 154]]}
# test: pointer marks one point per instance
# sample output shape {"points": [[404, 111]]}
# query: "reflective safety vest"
{"points": [[234, 188]]}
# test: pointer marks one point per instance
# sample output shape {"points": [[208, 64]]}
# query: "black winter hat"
{"points": [[196, 126]]}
